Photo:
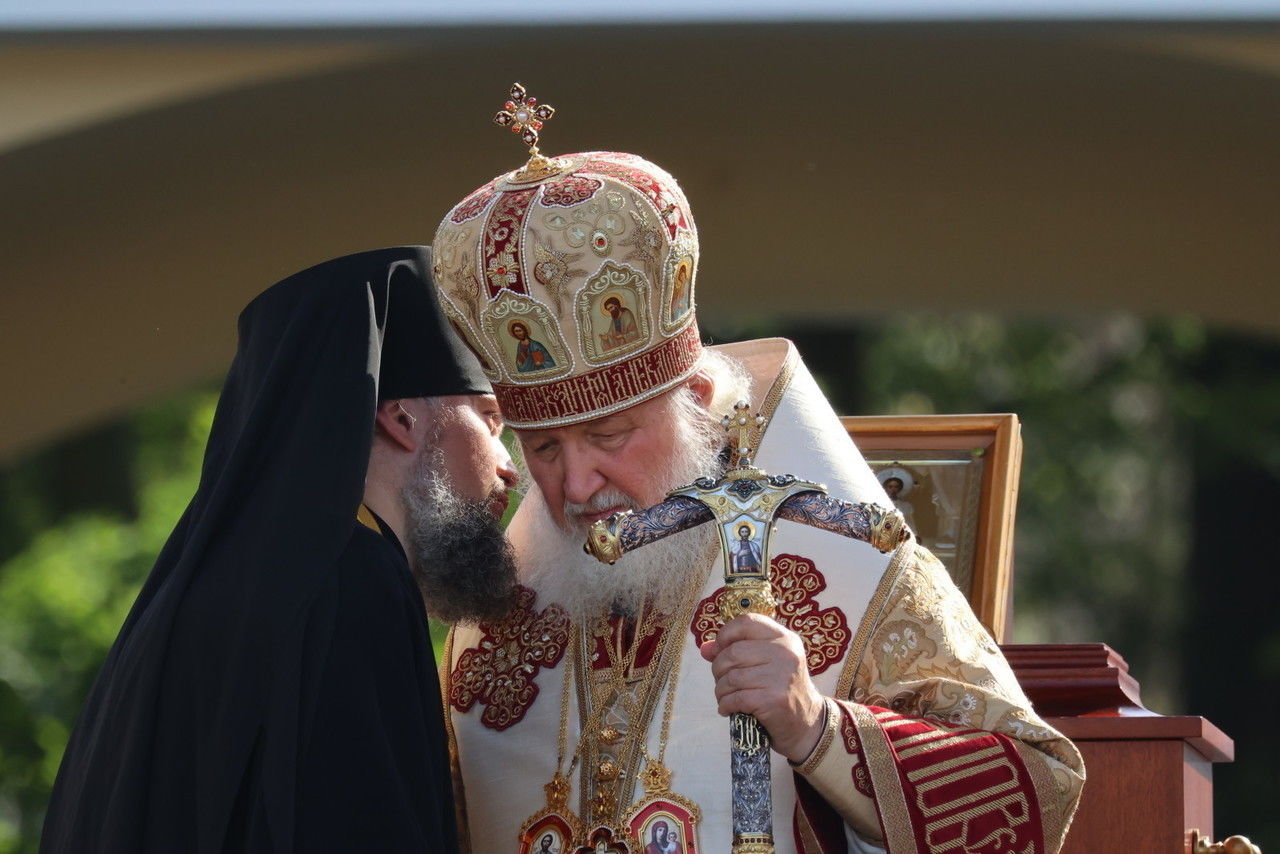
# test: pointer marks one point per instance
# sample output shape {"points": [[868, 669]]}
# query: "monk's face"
{"points": [[471, 448]]}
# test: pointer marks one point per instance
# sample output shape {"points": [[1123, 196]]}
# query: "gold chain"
{"points": [[620, 665], [658, 767], [644, 626], [563, 739], [667, 707]]}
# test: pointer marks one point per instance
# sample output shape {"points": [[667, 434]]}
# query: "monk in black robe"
{"points": [[273, 688]]}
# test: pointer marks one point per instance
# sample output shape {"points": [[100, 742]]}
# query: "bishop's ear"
{"points": [[703, 387], [396, 420]]}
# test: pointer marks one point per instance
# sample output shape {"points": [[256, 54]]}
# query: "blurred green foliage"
{"points": [[1102, 533], [1123, 422], [71, 573]]}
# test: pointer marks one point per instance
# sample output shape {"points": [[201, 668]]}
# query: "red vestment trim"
{"points": [[965, 790], [622, 635]]}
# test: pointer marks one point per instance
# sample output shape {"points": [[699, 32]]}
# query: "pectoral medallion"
{"points": [[662, 819], [554, 829]]}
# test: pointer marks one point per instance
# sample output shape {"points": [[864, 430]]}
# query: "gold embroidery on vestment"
{"points": [[871, 618], [451, 739]]}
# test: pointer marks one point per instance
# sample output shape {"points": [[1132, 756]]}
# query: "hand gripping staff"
{"points": [[744, 503]]}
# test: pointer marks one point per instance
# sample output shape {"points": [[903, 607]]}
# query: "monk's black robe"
{"points": [[373, 766], [273, 687]]}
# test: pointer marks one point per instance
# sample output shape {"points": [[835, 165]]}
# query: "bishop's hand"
{"points": [[759, 668]]}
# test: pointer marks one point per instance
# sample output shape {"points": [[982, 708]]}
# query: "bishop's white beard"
{"points": [[551, 559]]}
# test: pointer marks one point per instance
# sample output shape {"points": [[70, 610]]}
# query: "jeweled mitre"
{"points": [[572, 279]]}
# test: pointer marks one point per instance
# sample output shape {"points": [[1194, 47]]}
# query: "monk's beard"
{"points": [[551, 559], [460, 557]]}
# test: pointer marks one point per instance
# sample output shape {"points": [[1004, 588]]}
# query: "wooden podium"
{"points": [[1149, 784]]}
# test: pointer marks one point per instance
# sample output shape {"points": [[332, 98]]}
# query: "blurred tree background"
{"points": [[1150, 482]]}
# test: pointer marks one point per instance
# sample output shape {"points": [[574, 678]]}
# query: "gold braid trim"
{"points": [[455, 762], [774, 396], [830, 724], [1051, 817], [902, 557], [891, 800], [807, 840]]}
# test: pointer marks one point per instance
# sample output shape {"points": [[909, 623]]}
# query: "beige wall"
{"points": [[149, 186]]}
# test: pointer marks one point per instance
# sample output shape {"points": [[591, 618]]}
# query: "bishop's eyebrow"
{"points": [[613, 423]]}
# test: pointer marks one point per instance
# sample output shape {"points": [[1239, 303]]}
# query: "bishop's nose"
{"points": [[580, 476]]}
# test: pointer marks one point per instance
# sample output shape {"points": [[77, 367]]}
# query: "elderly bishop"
{"points": [[592, 714]]}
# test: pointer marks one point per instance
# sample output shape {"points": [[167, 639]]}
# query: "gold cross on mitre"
{"points": [[523, 114]]}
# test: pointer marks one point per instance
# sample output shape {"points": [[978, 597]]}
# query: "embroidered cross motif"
{"points": [[796, 583], [501, 670], [524, 115]]}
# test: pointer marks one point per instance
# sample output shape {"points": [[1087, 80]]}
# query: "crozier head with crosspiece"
{"points": [[573, 282]]}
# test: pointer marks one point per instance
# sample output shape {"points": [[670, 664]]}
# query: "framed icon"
{"points": [[955, 479]]}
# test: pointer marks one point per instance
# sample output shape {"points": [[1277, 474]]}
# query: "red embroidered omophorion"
{"points": [[796, 583], [500, 672]]}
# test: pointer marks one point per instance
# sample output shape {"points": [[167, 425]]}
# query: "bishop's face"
{"points": [[627, 453], [585, 472]]}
